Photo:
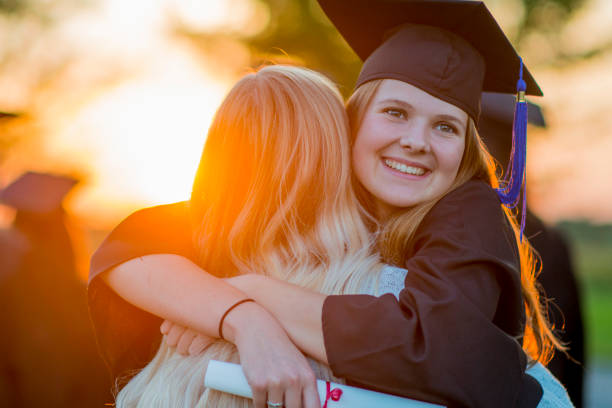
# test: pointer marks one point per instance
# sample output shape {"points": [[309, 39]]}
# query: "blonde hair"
{"points": [[273, 196], [397, 232]]}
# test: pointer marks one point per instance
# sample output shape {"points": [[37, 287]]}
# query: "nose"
{"points": [[415, 139]]}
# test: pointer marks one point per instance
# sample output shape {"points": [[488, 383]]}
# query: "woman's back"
{"points": [[288, 213]]}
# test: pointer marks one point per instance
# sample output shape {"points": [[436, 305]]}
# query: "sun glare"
{"points": [[141, 136]]}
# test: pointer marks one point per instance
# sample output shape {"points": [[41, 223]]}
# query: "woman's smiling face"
{"points": [[409, 146]]}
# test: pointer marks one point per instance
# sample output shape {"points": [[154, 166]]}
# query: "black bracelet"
{"points": [[227, 312]]}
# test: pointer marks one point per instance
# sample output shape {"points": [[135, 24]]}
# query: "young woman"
{"points": [[423, 170], [261, 203]]}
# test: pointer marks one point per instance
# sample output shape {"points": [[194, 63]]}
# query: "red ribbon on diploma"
{"points": [[334, 394]]}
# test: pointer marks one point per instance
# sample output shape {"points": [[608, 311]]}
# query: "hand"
{"points": [[274, 367], [186, 341]]}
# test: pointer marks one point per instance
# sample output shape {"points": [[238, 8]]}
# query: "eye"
{"points": [[447, 128], [395, 112]]}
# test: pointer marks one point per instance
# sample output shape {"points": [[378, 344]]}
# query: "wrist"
{"points": [[241, 320]]}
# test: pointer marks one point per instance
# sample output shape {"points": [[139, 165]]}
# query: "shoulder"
{"points": [[474, 203], [471, 214], [166, 215], [159, 229], [471, 197]]}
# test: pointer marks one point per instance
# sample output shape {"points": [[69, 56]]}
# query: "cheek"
{"points": [[364, 147], [452, 155]]}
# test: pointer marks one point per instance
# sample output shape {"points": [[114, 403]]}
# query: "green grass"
{"points": [[592, 250], [598, 320]]}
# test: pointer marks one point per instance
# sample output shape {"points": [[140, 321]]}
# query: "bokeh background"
{"points": [[119, 94]]}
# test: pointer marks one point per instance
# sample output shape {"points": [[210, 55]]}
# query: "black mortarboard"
{"points": [[37, 192], [453, 50]]}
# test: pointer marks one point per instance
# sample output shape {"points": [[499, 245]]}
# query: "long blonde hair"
{"points": [[272, 196], [396, 233]]}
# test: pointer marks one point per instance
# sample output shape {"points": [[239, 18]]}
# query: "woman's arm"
{"points": [[453, 328], [174, 288], [299, 310]]}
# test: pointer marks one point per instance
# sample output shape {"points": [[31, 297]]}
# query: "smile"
{"points": [[401, 167]]}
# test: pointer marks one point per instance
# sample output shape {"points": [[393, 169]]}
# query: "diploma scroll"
{"points": [[228, 377]]}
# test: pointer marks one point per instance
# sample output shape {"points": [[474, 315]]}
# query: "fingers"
{"points": [[174, 334], [293, 397], [259, 395], [185, 341], [293, 390], [311, 395], [199, 344], [165, 326], [275, 393]]}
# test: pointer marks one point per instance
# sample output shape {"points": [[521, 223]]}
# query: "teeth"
{"points": [[417, 171]]}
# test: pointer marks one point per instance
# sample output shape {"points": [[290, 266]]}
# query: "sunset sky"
{"points": [[131, 108]]}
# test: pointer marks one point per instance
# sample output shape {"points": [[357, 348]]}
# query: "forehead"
{"points": [[392, 89]]}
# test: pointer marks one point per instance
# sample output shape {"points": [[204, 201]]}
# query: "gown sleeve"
{"points": [[451, 338], [127, 336]]}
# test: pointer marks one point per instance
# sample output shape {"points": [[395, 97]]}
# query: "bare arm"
{"points": [[176, 289], [299, 310], [173, 287]]}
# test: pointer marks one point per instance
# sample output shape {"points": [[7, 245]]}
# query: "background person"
{"points": [[557, 275]]}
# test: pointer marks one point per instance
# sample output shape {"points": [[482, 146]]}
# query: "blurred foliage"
{"points": [[300, 29], [41, 8], [34, 16], [12, 6], [546, 15]]}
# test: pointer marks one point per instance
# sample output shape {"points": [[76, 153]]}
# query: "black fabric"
{"points": [[437, 343], [128, 337], [559, 284], [440, 63], [462, 359], [557, 279], [48, 356]]}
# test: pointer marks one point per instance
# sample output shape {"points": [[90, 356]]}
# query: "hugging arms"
{"points": [[425, 187]]}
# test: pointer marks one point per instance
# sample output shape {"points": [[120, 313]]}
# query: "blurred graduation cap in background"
{"points": [[37, 192], [495, 123]]}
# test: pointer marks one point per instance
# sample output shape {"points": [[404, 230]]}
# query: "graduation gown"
{"points": [[559, 283], [450, 338]]}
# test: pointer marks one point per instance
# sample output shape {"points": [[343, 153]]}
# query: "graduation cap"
{"points": [[37, 192], [451, 49]]}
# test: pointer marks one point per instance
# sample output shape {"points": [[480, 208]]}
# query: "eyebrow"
{"points": [[451, 118], [408, 106], [403, 104]]}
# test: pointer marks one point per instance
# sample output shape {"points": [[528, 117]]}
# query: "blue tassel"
{"points": [[515, 182]]}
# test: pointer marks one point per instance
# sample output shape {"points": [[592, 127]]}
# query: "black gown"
{"points": [[559, 283], [450, 339]]}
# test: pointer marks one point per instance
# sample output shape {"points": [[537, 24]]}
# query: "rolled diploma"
{"points": [[228, 377]]}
